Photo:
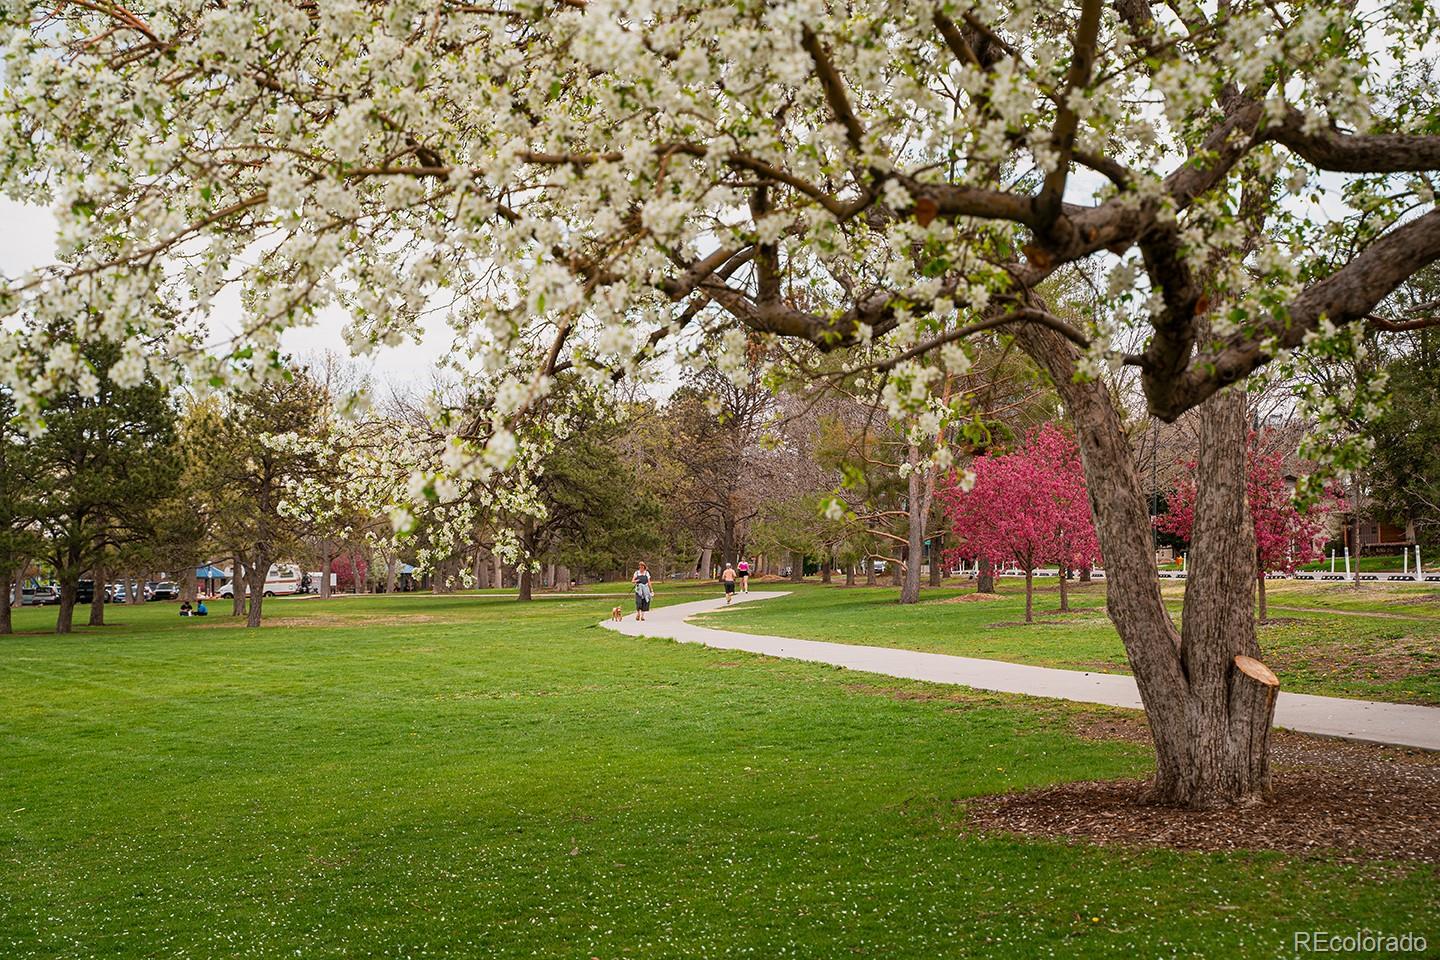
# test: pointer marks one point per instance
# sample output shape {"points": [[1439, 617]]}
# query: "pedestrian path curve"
{"points": [[1366, 720]]}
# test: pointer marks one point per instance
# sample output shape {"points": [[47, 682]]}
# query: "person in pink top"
{"points": [[743, 572]]}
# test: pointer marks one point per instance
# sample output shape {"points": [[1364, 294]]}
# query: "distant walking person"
{"points": [[727, 577], [644, 592], [743, 572]]}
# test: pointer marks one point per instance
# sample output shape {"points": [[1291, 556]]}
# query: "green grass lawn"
{"points": [[1326, 648], [470, 777]]}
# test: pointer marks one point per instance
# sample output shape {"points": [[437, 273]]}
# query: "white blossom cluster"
{"points": [[578, 185]]}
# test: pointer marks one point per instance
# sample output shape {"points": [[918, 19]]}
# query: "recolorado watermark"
{"points": [[1376, 942]]}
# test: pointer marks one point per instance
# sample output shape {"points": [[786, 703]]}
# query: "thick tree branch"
{"points": [[767, 255], [1329, 149], [1402, 326], [834, 87], [1174, 338], [1346, 296], [952, 201], [1067, 120]]}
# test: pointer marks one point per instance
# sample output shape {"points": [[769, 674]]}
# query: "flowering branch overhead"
{"points": [[610, 179]]}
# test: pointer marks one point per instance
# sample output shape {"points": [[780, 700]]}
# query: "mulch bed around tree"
{"points": [[1334, 799]]}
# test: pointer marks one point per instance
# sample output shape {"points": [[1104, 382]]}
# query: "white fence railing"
{"points": [[1429, 576]]}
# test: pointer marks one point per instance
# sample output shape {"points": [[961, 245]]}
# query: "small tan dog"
{"points": [[617, 615]]}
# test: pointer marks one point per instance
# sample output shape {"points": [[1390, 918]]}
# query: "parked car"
{"points": [[120, 593], [164, 590], [85, 592], [43, 595]]}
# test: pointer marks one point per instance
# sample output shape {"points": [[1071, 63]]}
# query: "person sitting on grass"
{"points": [[185, 608], [200, 610]]}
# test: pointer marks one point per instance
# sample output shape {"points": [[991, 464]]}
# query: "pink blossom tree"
{"points": [[350, 572], [1057, 461], [1029, 505], [1285, 536]]}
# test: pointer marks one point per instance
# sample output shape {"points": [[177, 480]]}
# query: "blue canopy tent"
{"points": [[209, 573]]}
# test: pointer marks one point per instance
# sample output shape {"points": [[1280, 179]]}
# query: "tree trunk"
{"points": [[1064, 592], [1029, 593], [97, 599], [984, 576], [870, 580], [825, 571], [6, 622], [915, 523], [1085, 572], [327, 570], [797, 566], [937, 571], [562, 578], [849, 574], [1228, 758], [65, 615], [703, 568], [238, 579], [256, 580], [1260, 594], [137, 595], [1208, 721], [527, 586]]}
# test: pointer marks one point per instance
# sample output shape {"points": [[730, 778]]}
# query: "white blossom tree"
{"points": [[586, 183]]}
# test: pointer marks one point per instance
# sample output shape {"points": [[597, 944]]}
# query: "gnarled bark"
{"points": [[1211, 738], [65, 614], [237, 585], [255, 578]]}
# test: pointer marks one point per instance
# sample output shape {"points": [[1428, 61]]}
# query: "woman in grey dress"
{"points": [[644, 592]]}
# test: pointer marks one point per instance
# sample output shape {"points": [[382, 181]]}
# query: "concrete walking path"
{"points": [[1390, 723]]}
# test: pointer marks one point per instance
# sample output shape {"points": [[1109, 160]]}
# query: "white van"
{"points": [[282, 580]]}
